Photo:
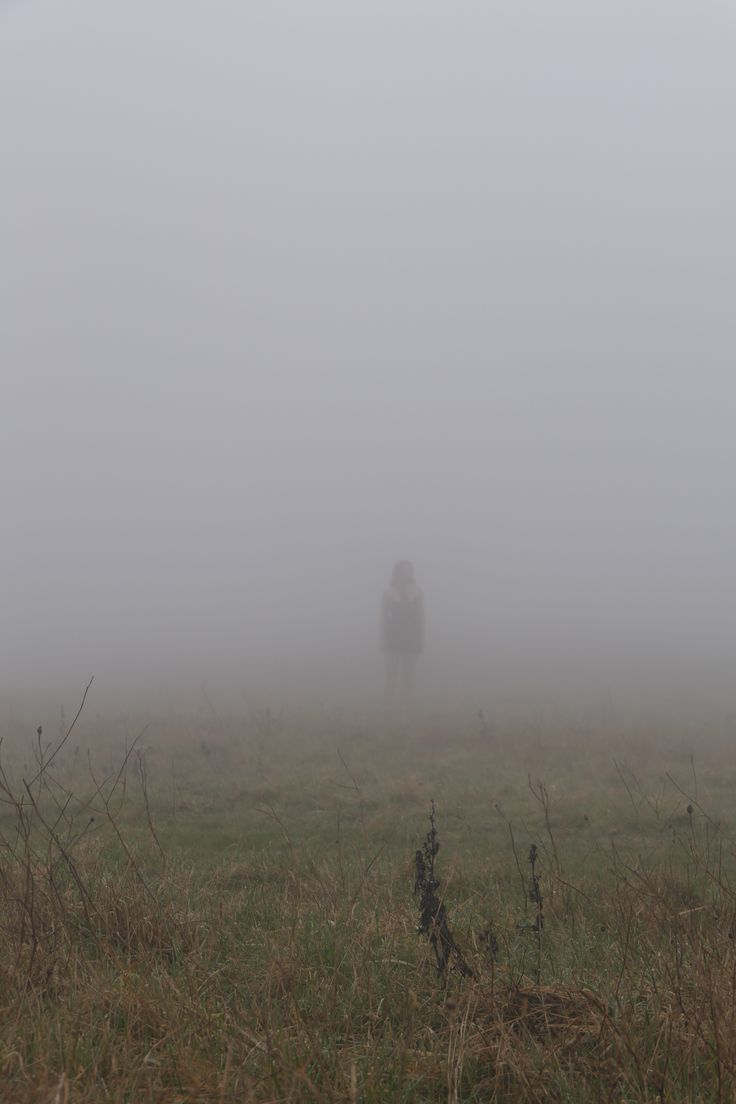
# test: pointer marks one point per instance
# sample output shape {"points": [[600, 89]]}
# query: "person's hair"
{"points": [[399, 566]]}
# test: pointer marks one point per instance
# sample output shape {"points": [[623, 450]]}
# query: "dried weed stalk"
{"points": [[432, 912]]}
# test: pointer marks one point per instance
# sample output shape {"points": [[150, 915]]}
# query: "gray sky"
{"points": [[290, 290]]}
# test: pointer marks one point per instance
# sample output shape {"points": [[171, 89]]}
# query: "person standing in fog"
{"points": [[402, 631]]}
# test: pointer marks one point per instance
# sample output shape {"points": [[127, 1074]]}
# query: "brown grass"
{"points": [[248, 932]]}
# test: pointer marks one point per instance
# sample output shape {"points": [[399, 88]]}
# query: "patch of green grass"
{"points": [[242, 927]]}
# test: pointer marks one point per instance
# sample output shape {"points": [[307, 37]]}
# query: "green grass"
{"points": [[271, 952]]}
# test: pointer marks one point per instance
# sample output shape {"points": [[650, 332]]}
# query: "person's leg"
{"points": [[408, 662], [392, 675]]}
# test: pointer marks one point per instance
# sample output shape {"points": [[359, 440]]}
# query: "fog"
{"points": [[289, 291]]}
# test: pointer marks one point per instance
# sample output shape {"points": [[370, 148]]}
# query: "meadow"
{"points": [[225, 909]]}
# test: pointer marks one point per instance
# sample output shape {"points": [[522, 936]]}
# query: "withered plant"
{"points": [[432, 912]]}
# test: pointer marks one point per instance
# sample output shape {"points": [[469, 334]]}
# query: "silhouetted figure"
{"points": [[402, 631]]}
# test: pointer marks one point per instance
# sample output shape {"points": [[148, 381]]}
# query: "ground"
{"points": [[224, 910]]}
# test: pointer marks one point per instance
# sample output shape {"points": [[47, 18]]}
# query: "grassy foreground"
{"points": [[225, 912]]}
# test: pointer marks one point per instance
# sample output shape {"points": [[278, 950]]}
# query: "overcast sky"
{"points": [[289, 290]]}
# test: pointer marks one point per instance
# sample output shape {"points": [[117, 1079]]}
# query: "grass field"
{"points": [[224, 911]]}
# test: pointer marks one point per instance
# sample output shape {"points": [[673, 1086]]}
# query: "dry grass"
{"points": [[227, 915]]}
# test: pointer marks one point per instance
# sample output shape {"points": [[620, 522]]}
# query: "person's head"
{"points": [[403, 574]]}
